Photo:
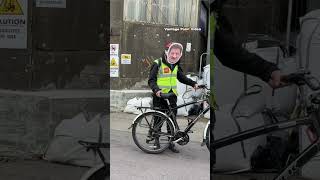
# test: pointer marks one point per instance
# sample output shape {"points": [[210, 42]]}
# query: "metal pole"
{"points": [[200, 66], [289, 25]]}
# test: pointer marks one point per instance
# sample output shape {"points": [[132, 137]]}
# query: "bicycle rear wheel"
{"points": [[152, 132]]}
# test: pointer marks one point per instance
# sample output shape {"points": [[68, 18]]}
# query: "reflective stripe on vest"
{"points": [[167, 79]]}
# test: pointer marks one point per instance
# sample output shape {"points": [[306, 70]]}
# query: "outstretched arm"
{"points": [[184, 79], [233, 55]]}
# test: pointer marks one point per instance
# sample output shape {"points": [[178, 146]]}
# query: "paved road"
{"points": [[39, 170], [130, 163], [192, 163]]}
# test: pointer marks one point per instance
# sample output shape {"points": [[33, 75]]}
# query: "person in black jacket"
{"points": [[169, 65], [231, 54]]}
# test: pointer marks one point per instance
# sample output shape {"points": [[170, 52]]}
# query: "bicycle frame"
{"points": [[104, 166], [237, 137], [193, 122], [299, 161]]}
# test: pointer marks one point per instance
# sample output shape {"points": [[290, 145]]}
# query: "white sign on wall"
{"points": [[188, 47], [13, 24], [114, 66], [125, 58], [51, 3], [114, 49]]}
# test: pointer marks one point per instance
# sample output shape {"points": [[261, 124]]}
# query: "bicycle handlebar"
{"points": [[168, 95], [302, 78], [202, 86]]}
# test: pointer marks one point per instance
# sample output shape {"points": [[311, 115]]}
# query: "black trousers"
{"points": [[162, 104]]}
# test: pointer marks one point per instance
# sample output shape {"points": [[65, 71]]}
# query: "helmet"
{"points": [[168, 47]]}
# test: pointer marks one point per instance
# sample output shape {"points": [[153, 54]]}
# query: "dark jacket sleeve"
{"points": [[184, 79], [152, 82], [233, 55]]}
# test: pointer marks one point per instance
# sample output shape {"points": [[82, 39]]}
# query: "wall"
{"points": [[256, 16], [145, 42], [62, 42]]}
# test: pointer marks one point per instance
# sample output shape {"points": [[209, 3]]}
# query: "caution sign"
{"points": [[125, 58], [114, 62], [114, 49], [114, 66], [10, 7], [13, 24]]}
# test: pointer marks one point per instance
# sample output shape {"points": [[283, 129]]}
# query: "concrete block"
{"points": [[28, 119], [119, 98]]}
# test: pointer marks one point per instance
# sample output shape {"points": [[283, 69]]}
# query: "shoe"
{"points": [[156, 144], [173, 148], [149, 137]]}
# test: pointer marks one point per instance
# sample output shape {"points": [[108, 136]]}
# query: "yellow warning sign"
{"points": [[125, 58], [10, 7], [114, 62]]}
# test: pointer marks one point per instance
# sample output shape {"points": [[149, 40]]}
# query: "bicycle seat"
{"points": [[94, 145], [167, 95]]}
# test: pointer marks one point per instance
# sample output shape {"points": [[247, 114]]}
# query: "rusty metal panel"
{"points": [[146, 43], [80, 26]]}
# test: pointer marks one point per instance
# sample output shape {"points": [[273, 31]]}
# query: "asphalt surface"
{"points": [[128, 162], [192, 163]]}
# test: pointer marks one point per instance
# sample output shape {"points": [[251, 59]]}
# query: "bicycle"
{"points": [[102, 171], [309, 116], [154, 130]]}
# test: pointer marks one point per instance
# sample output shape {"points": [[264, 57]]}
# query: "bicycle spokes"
{"points": [[153, 131]]}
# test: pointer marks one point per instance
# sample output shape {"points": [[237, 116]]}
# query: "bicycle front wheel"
{"points": [[152, 132]]}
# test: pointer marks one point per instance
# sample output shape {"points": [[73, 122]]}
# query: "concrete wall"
{"points": [[28, 119]]}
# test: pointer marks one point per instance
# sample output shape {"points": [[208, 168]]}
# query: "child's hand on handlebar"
{"points": [[195, 87], [277, 80], [158, 93]]}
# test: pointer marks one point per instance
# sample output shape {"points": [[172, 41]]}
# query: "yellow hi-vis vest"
{"points": [[167, 79]]}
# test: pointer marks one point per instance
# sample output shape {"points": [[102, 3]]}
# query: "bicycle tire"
{"points": [[97, 173], [208, 138], [162, 119]]}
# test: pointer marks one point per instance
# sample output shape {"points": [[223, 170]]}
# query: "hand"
{"points": [[196, 86], [158, 93], [275, 80]]}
